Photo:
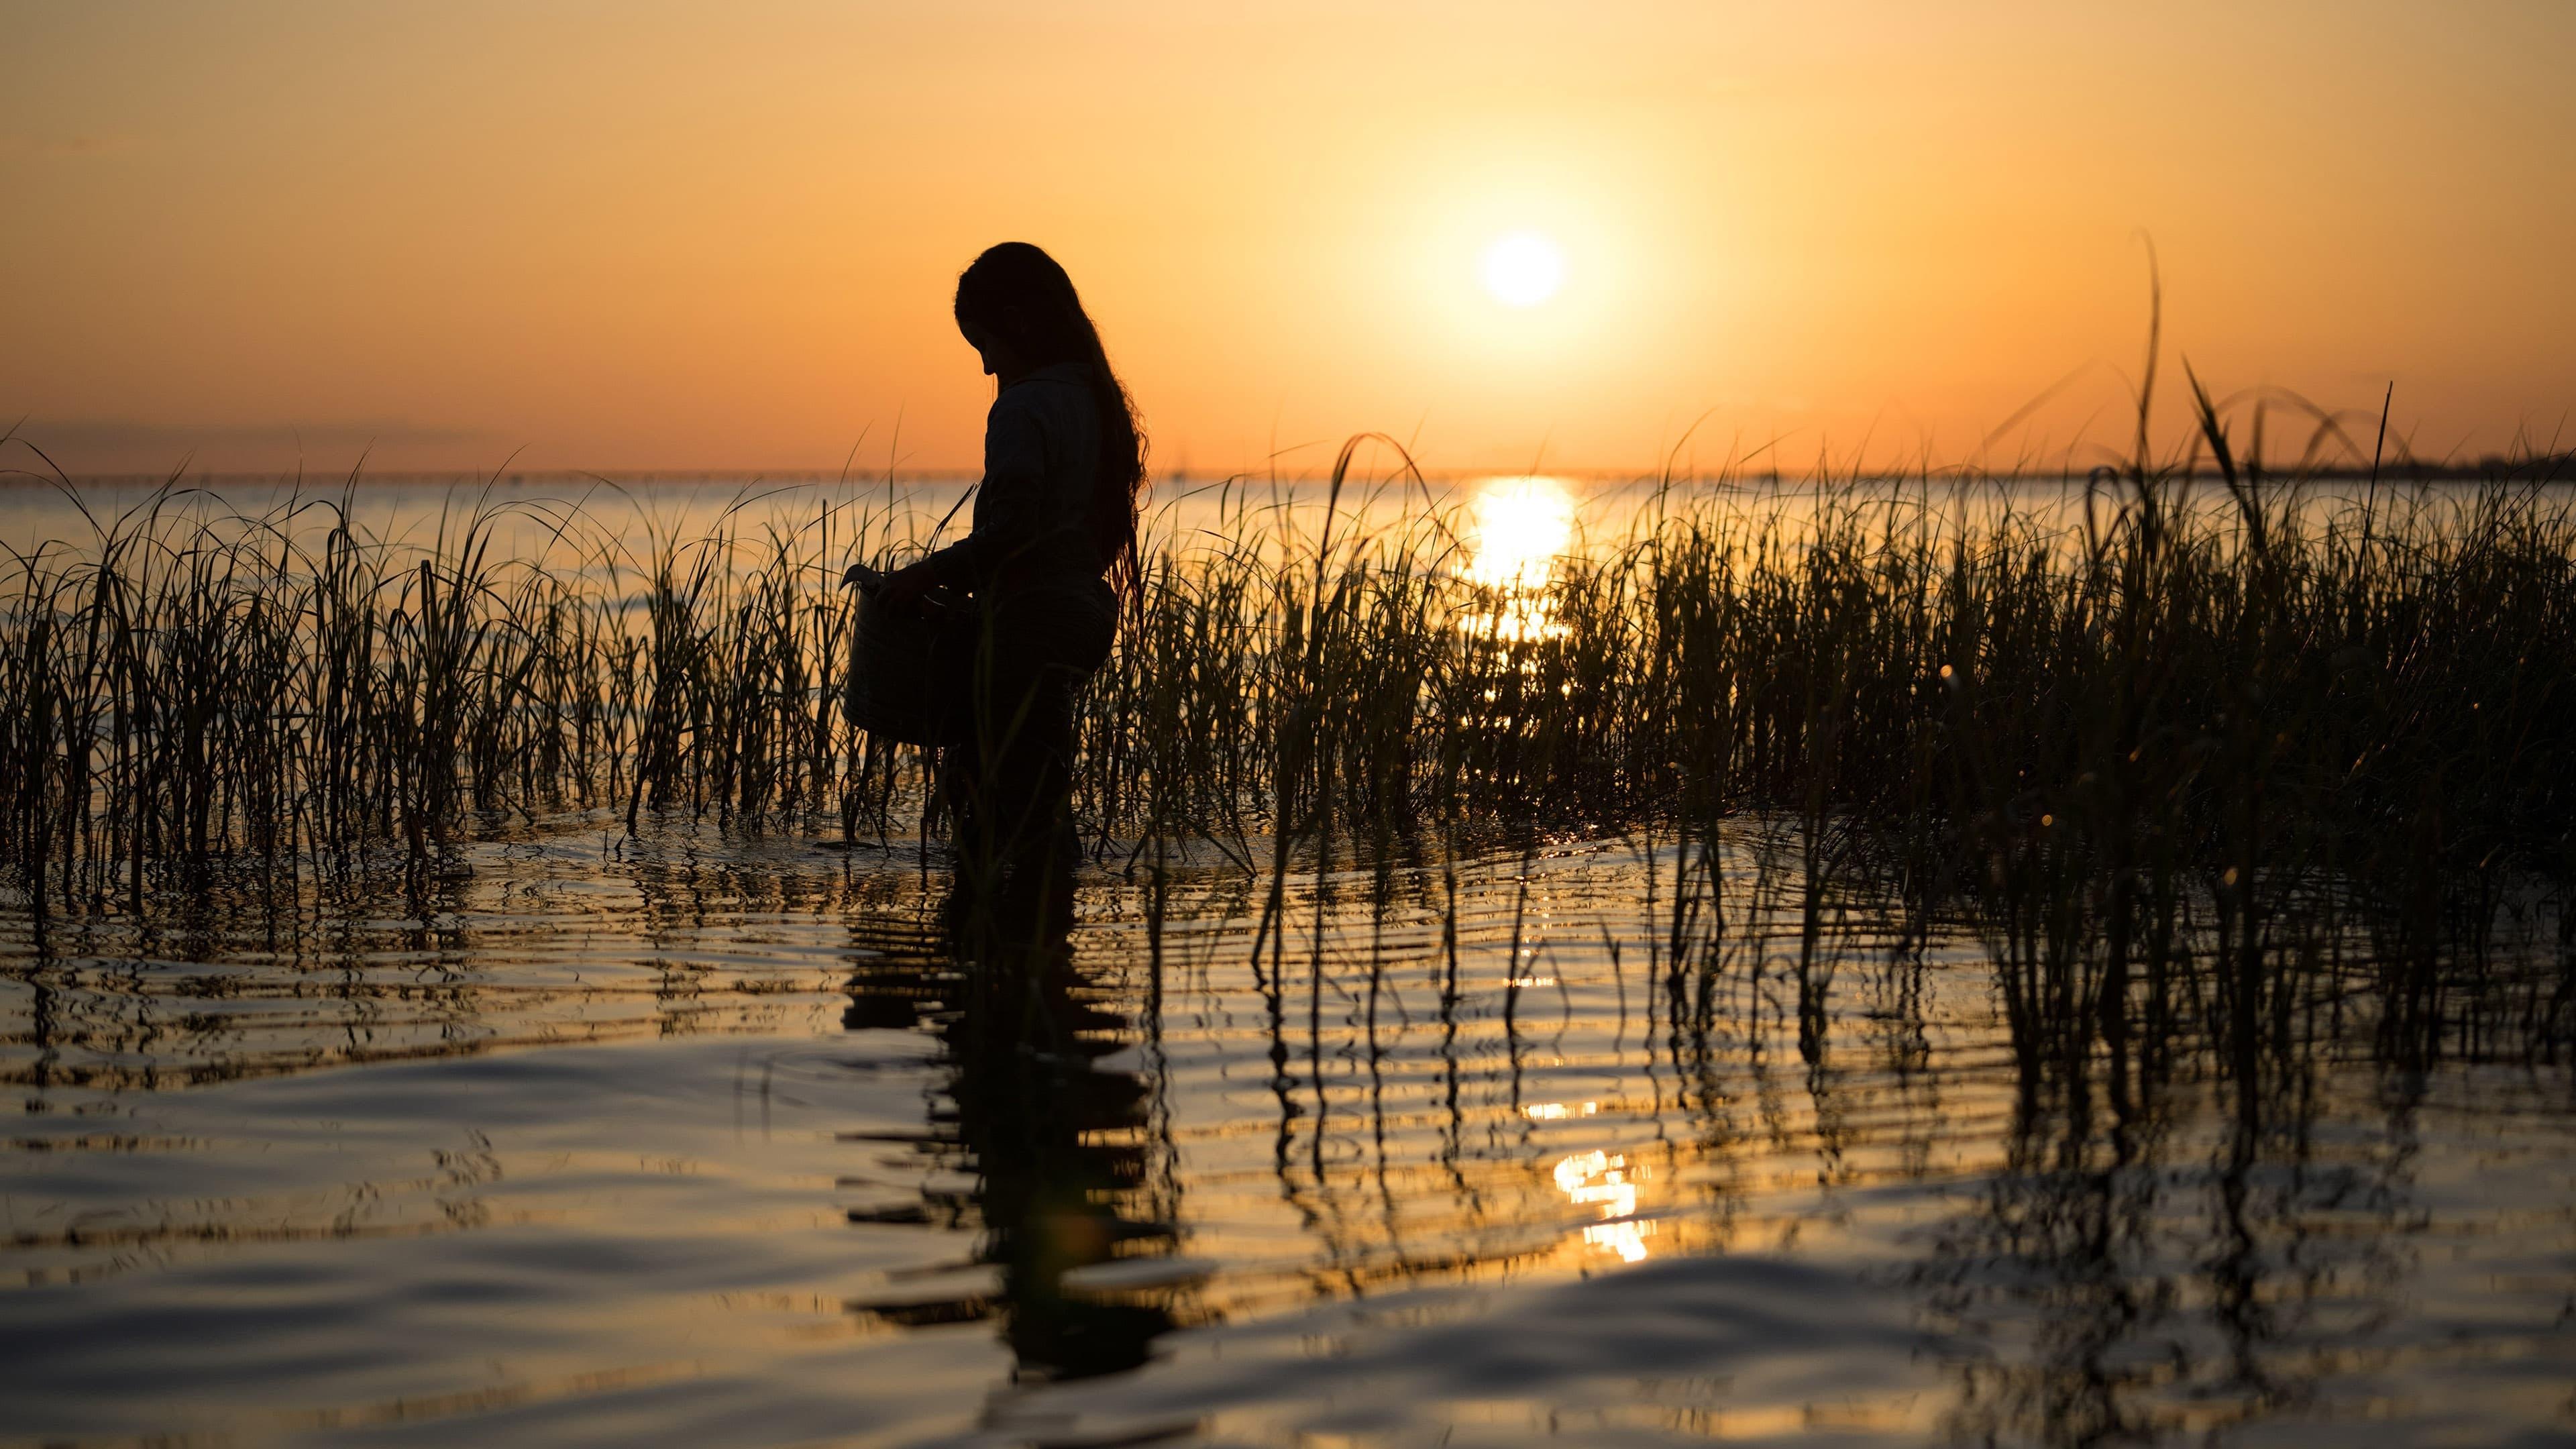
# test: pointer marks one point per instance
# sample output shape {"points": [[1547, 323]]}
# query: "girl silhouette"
{"points": [[1051, 552]]}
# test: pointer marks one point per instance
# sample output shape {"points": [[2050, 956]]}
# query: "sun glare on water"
{"points": [[1523, 269], [1521, 526], [1601, 1181]]}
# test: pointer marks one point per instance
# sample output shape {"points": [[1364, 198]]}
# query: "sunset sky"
{"points": [[632, 237]]}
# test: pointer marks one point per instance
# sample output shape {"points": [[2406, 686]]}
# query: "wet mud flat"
{"points": [[688, 1138]]}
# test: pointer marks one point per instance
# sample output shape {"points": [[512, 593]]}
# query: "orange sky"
{"points": [[629, 236]]}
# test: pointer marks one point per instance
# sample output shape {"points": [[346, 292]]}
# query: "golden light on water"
{"points": [[1523, 269], [1521, 526], [1600, 1180]]}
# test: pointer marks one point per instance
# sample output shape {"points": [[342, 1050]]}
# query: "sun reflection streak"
{"points": [[1555, 1111], [1520, 527], [1599, 1179]]}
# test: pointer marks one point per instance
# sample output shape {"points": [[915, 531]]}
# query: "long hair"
{"points": [[1019, 295]]}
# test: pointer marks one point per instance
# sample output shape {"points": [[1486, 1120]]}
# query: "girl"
{"points": [[1051, 552]]}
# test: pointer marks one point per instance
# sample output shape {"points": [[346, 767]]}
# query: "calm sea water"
{"points": [[704, 1140], [1534, 510]]}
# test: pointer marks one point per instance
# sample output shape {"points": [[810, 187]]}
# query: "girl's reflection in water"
{"points": [[1058, 1146]]}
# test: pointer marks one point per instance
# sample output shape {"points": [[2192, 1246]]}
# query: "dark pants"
{"points": [[1009, 789]]}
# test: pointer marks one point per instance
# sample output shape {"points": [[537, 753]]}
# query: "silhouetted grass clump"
{"points": [[192, 688], [2177, 697]]}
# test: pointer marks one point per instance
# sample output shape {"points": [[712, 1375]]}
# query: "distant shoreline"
{"points": [[2557, 468]]}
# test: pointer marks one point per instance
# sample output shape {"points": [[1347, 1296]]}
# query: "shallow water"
{"points": [[697, 1140]]}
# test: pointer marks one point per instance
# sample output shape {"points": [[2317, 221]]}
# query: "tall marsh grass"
{"points": [[2180, 701]]}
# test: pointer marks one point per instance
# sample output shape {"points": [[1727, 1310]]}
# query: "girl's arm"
{"points": [[1009, 510]]}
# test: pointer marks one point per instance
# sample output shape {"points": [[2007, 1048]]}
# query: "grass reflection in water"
{"points": [[1929, 959], [1918, 1222]]}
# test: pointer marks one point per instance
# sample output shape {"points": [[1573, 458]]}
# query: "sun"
{"points": [[1523, 269]]}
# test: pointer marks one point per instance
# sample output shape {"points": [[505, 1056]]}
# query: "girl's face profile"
{"points": [[997, 355]]}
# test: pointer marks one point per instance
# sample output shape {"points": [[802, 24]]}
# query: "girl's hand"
{"points": [[905, 586]]}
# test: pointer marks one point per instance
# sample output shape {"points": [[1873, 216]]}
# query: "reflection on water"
{"points": [[1519, 529], [697, 1140], [1521, 526], [1069, 1210], [1598, 1178]]}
